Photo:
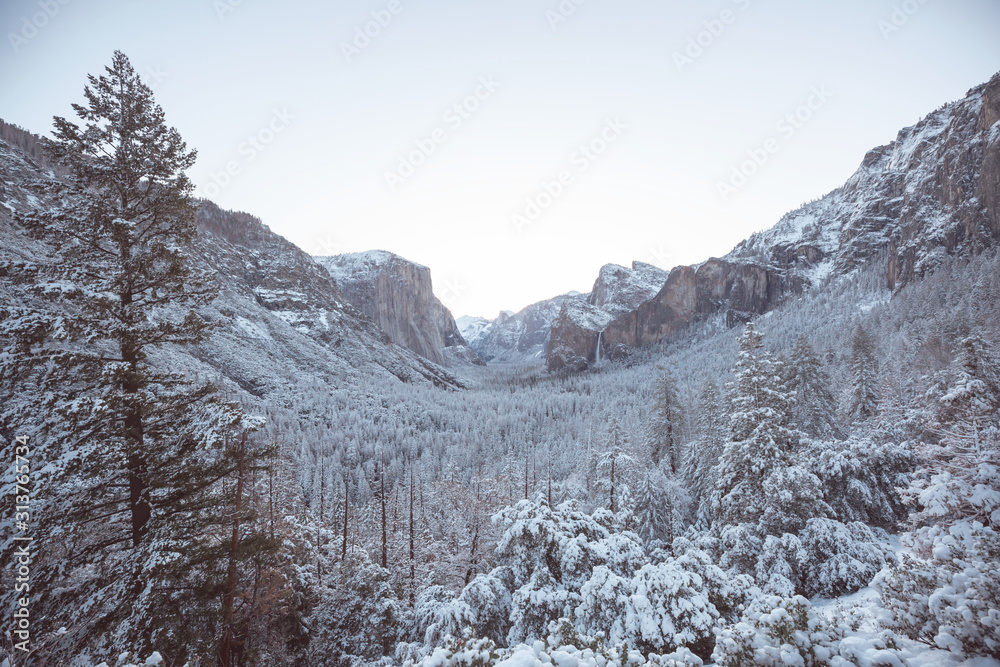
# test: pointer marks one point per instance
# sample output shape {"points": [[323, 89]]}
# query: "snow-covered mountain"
{"points": [[397, 294], [932, 192], [474, 329], [404, 514], [522, 336], [281, 317], [618, 289]]}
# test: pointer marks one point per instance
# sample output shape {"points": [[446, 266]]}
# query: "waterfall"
{"points": [[597, 357]]}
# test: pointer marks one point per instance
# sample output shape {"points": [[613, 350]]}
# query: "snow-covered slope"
{"points": [[933, 191]]}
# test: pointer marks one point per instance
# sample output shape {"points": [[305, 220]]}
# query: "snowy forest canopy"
{"points": [[818, 488]]}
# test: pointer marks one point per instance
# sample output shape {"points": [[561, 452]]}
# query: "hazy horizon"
{"points": [[434, 134]]}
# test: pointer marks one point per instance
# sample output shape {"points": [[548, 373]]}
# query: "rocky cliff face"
{"points": [[398, 296], [933, 191], [576, 340]]}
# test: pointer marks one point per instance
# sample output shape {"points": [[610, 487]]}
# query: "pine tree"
{"points": [[712, 422], [953, 593], [863, 397], [815, 409], [702, 455], [211, 545], [761, 439], [958, 478], [611, 461], [664, 431], [120, 237], [131, 445], [654, 511]]}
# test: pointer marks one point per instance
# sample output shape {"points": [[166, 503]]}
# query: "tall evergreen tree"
{"points": [[863, 397], [959, 480], [664, 426], [611, 462], [135, 457], [761, 439], [712, 421], [815, 411], [120, 238], [654, 509], [703, 454]]}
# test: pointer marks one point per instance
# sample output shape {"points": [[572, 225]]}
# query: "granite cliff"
{"points": [[398, 296]]}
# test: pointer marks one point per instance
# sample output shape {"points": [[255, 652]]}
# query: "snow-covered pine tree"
{"points": [[654, 510], [863, 396], [959, 478], [664, 431], [815, 411], [948, 598], [120, 430], [702, 455], [761, 439], [121, 267], [712, 422], [211, 559], [611, 461]]}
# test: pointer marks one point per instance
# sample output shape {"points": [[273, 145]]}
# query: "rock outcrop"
{"points": [[527, 336], [575, 340], [398, 296], [742, 289], [932, 192]]}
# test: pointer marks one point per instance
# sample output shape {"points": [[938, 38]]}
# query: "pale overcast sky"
{"points": [[321, 125]]}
